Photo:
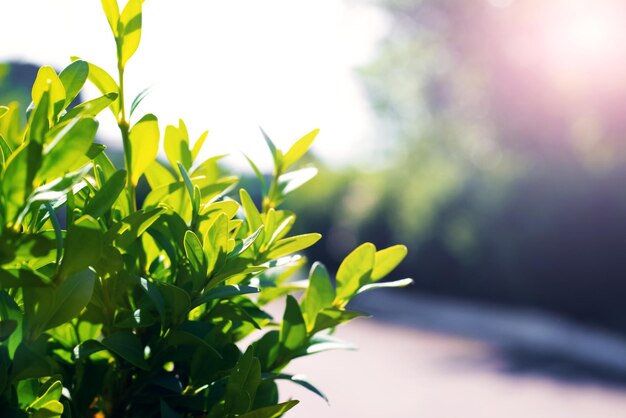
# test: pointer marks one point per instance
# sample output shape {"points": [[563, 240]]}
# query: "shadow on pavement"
{"points": [[519, 342]]}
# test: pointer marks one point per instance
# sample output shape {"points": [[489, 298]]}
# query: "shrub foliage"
{"points": [[108, 309]]}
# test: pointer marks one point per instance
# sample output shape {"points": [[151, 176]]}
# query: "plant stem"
{"points": [[124, 126]]}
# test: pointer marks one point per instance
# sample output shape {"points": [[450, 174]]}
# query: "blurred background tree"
{"points": [[502, 168]]}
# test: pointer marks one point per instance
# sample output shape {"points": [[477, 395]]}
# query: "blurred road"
{"points": [[445, 359]]}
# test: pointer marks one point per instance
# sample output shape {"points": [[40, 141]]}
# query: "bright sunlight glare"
{"points": [[591, 30], [228, 67]]}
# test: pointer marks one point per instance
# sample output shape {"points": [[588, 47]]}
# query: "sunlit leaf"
{"points": [[319, 295], [144, 141], [130, 22], [355, 271], [298, 149], [290, 245], [397, 283], [292, 330], [73, 78], [386, 260], [112, 13], [48, 80], [176, 145]]}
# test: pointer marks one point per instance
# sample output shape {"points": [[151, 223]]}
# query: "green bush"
{"points": [[143, 311]]}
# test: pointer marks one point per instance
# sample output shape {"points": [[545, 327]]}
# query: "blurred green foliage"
{"points": [[507, 189]]}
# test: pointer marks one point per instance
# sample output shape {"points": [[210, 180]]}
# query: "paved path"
{"points": [[432, 371]]}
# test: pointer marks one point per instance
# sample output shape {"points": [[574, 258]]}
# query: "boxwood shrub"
{"points": [[113, 309]]}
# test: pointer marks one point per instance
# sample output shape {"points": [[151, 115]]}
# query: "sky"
{"points": [[225, 66]]}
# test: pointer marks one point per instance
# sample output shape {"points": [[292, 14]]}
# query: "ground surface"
{"points": [[439, 359]]}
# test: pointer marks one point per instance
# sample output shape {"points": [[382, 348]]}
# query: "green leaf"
{"points": [[130, 21], [71, 298], [28, 363], [195, 254], [154, 295], [86, 348], [225, 292], [355, 271], [176, 145], [55, 191], [331, 317], [290, 245], [73, 78], [244, 244], [259, 175], [298, 149], [298, 380], [252, 214], [48, 80], [276, 154], [70, 145], [273, 411], [83, 246], [188, 182], [397, 283], [138, 99], [112, 13], [319, 295], [216, 243], [91, 108], [10, 312], [177, 302], [243, 383], [58, 233], [292, 330], [52, 393], [386, 260], [18, 176], [7, 327], [320, 343], [178, 337], [198, 145], [132, 227], [144, 141], [104, 198], [51, 409], [40, 118], [105, 83], [127, 346], [157, 175]]}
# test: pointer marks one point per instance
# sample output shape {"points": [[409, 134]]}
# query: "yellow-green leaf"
{"points": [[319, 295], [144, 143], [73, 78], [198, 145], [355, 271], [298, 149], [112, 13], [67, 147], [386, 260], [131, 30], [176, 145], [290, 245], [48, 80], [51, 409], [252, 214], [157, 175], [105, 83]]}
